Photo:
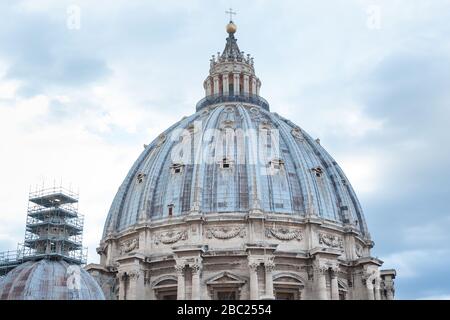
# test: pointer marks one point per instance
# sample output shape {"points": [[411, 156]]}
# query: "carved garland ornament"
{"points": [[171, 237], [129, 245], [225, 233], [284, 234], [330, 240]]}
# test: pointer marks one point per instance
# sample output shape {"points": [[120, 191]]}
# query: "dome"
{"points": [[236, 202], [289, 173], [49, 280]]}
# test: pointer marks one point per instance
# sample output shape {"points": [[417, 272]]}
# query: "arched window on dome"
{"points": [[276, 165], [170, 210], [318, 171], [140, 177], [176, 168], [226, 163]]}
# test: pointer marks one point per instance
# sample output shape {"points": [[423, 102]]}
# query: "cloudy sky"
{"points": [[371, 79]]}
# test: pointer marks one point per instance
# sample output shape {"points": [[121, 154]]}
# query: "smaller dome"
{"points": [[49, 280], [231, 27]]}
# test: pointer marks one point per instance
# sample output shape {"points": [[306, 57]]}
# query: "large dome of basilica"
{"points": [[237, 202]]}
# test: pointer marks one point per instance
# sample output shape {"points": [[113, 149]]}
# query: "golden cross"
{"points": [[231, 12]]}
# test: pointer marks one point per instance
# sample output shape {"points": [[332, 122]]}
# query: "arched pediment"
{"points": [[288, 279], [163, 281], [226, 278]]}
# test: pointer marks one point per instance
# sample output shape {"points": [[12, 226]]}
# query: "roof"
{"points": [[49, 280], [299, 179]]}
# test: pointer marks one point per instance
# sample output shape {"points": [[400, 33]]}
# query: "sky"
{"points": [[84, 85]]}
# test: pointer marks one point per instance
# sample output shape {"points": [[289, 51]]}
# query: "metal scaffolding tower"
{"points": [[54, 230]]}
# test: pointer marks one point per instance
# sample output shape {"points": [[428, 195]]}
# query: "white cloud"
{"points": [[412, 264], [436, 297]]}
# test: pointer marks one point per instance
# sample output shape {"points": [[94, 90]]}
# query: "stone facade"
{"points": [[257, 256]]}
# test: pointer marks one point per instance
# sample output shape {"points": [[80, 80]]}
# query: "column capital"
{"points": [[180, 265], [196, 267], [134, 274], [253, 264], [324, 265], [269, 263]]}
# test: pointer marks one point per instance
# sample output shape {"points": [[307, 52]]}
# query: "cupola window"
{"points": [[140, 177], [225, 163], [177, 168], [170, 210], [275, 165], [318, 171]]}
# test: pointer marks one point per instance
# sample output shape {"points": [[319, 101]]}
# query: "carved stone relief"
{"points": [[284, 234], [225, 232], [129, 245], [170, 237], [331, 241]]}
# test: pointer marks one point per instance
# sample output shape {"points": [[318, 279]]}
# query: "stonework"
{"points": [[291, 228]]}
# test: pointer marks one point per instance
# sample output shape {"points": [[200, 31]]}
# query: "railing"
{"points": [[76, 223], [75, 240], [43, 210], [8, 257], [53, 190], [75, 256], [219, 98]]}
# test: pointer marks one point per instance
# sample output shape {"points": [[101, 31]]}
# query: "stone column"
{"points": [[253, 85], [334, 286], [122, 284], [389, 292], [216, 85], [269, 267], [179, 268], [208, 87], [387, 284], [370, 293], [377, 289], [246, 84], [371, 278], [236, 83], [136, 285], [321, 282], [196, 270], [225, 84], [254, 290]]}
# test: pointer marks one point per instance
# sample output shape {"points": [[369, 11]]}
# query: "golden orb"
{"points": [[231, 27]]}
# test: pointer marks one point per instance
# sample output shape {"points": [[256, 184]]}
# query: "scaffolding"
{"points": [[54, 230]]}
